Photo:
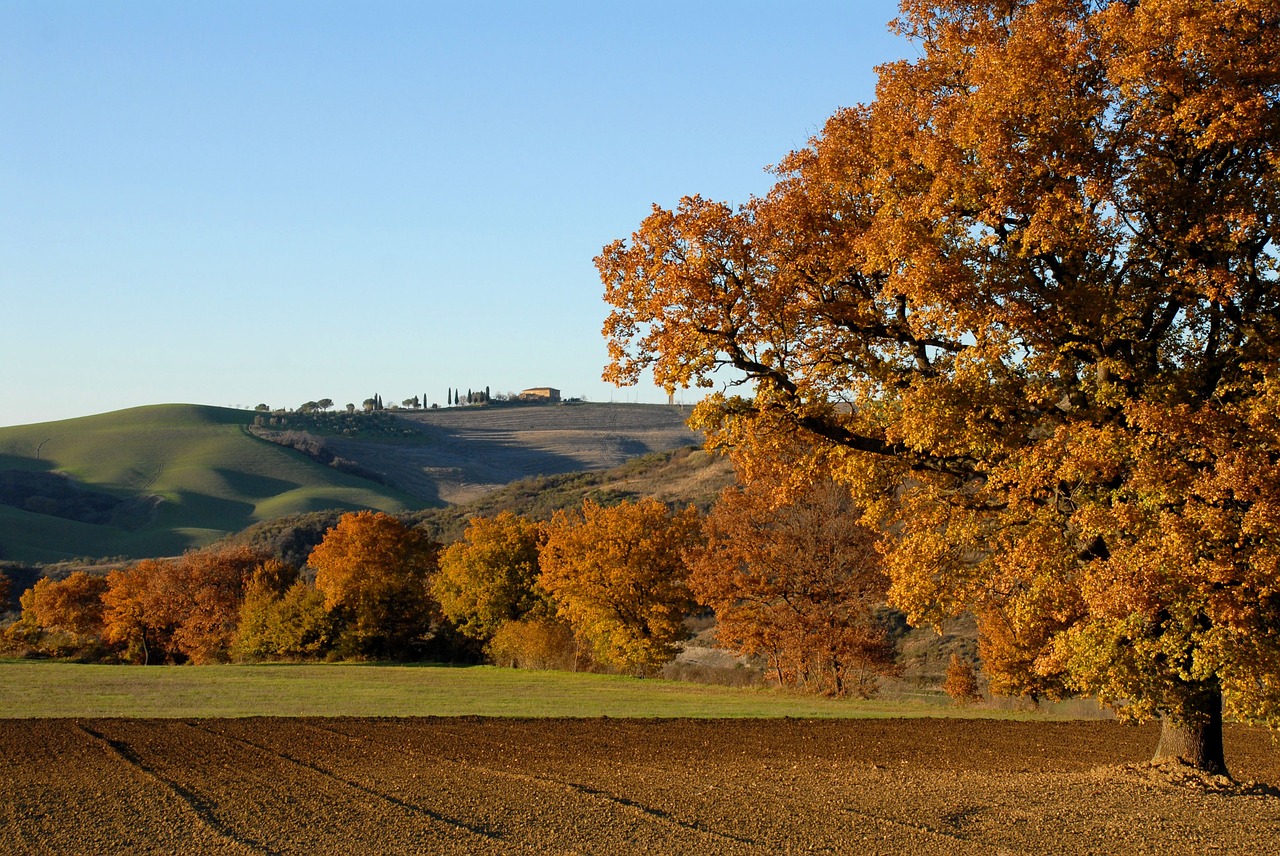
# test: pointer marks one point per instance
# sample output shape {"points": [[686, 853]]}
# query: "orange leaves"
{"points": [[1040, 272], [618, 577], [375, 573], [184, 609], [795, 579], [72, 605]]}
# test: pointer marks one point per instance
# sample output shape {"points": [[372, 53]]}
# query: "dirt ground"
{"points": [[480, 786]]}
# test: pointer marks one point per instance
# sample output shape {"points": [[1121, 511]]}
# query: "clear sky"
{"points": [[235, 202]]}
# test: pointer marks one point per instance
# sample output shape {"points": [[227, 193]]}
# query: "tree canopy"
{"points": [[618, 576], [490, 577], [374, 573], [1024, 305], [796, 581]]}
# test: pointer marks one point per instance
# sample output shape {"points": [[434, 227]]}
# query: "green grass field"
{"points": [[51, 689], [212, 476]]}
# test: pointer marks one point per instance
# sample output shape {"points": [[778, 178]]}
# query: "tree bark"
{"points": [[1193, 735]]}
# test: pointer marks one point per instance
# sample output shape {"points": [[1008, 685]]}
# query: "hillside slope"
{"points": [[164, 478], [679, 477], [464, 453], [157, 480]]}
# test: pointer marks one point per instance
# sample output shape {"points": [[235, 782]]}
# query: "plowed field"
{"points": [[479, 786]]}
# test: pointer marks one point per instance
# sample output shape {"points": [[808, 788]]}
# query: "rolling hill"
{"points": [[157, 480]]}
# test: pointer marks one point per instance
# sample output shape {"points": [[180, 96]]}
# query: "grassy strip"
{"points": [[47, 689]]}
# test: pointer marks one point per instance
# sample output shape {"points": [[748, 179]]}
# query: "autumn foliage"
{"points": [[961, 682], [1025, 305], [796, 581], [491, 576], [282, 617], [182, 610], [375, 575], [63, 617], [618, 577]]}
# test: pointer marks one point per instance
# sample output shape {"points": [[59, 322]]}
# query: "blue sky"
{"points": [[240, 202]]}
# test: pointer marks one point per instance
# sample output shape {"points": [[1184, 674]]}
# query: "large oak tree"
{"points": [[1033, 285]]}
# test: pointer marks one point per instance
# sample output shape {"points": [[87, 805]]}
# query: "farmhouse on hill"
{"points": [[541, 393]]}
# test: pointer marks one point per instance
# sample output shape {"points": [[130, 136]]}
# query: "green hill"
{"points": [[154, 481]]}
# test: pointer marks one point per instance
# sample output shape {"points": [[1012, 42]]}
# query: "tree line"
{"points": [[795, 582]]}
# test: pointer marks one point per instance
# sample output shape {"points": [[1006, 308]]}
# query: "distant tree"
{"points": [[796, 579], [486, 394], [262, 408], [491, 576], [370, 405], [962, 681], [308, 407], [450, 399], [63, 617], [282, 617], [374, 573], [534, 644], [325, 403], [200, 597], [131, 617], [72, 605], [179, 610], [351, 408], [617, 575]]}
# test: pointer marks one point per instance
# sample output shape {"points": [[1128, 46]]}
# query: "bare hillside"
{"points": [[468, 451]]}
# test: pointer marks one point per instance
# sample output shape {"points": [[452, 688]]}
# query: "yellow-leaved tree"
{"points": [[1025, 304], [617, 575], [490, 577]]}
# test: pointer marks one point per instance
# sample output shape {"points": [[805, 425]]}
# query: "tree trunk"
{"points": [[1194, 734]]}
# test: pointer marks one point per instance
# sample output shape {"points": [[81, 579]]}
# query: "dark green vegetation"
{"points": [[155, 481]]}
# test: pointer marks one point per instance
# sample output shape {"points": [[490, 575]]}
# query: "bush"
{"points": [[534, 645]]}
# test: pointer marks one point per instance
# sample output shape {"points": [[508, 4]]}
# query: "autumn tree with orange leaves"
{"points": [[200, 597], [179, 610], [65, 614], [132, 617], [1024, 304], [375, 575], [797, 581], [617, 575]]}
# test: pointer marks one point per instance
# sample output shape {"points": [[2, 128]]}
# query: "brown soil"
{"points": [[620, 786]]}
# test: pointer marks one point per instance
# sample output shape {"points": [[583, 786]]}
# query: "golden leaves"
{"points": [[617, 575]]}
